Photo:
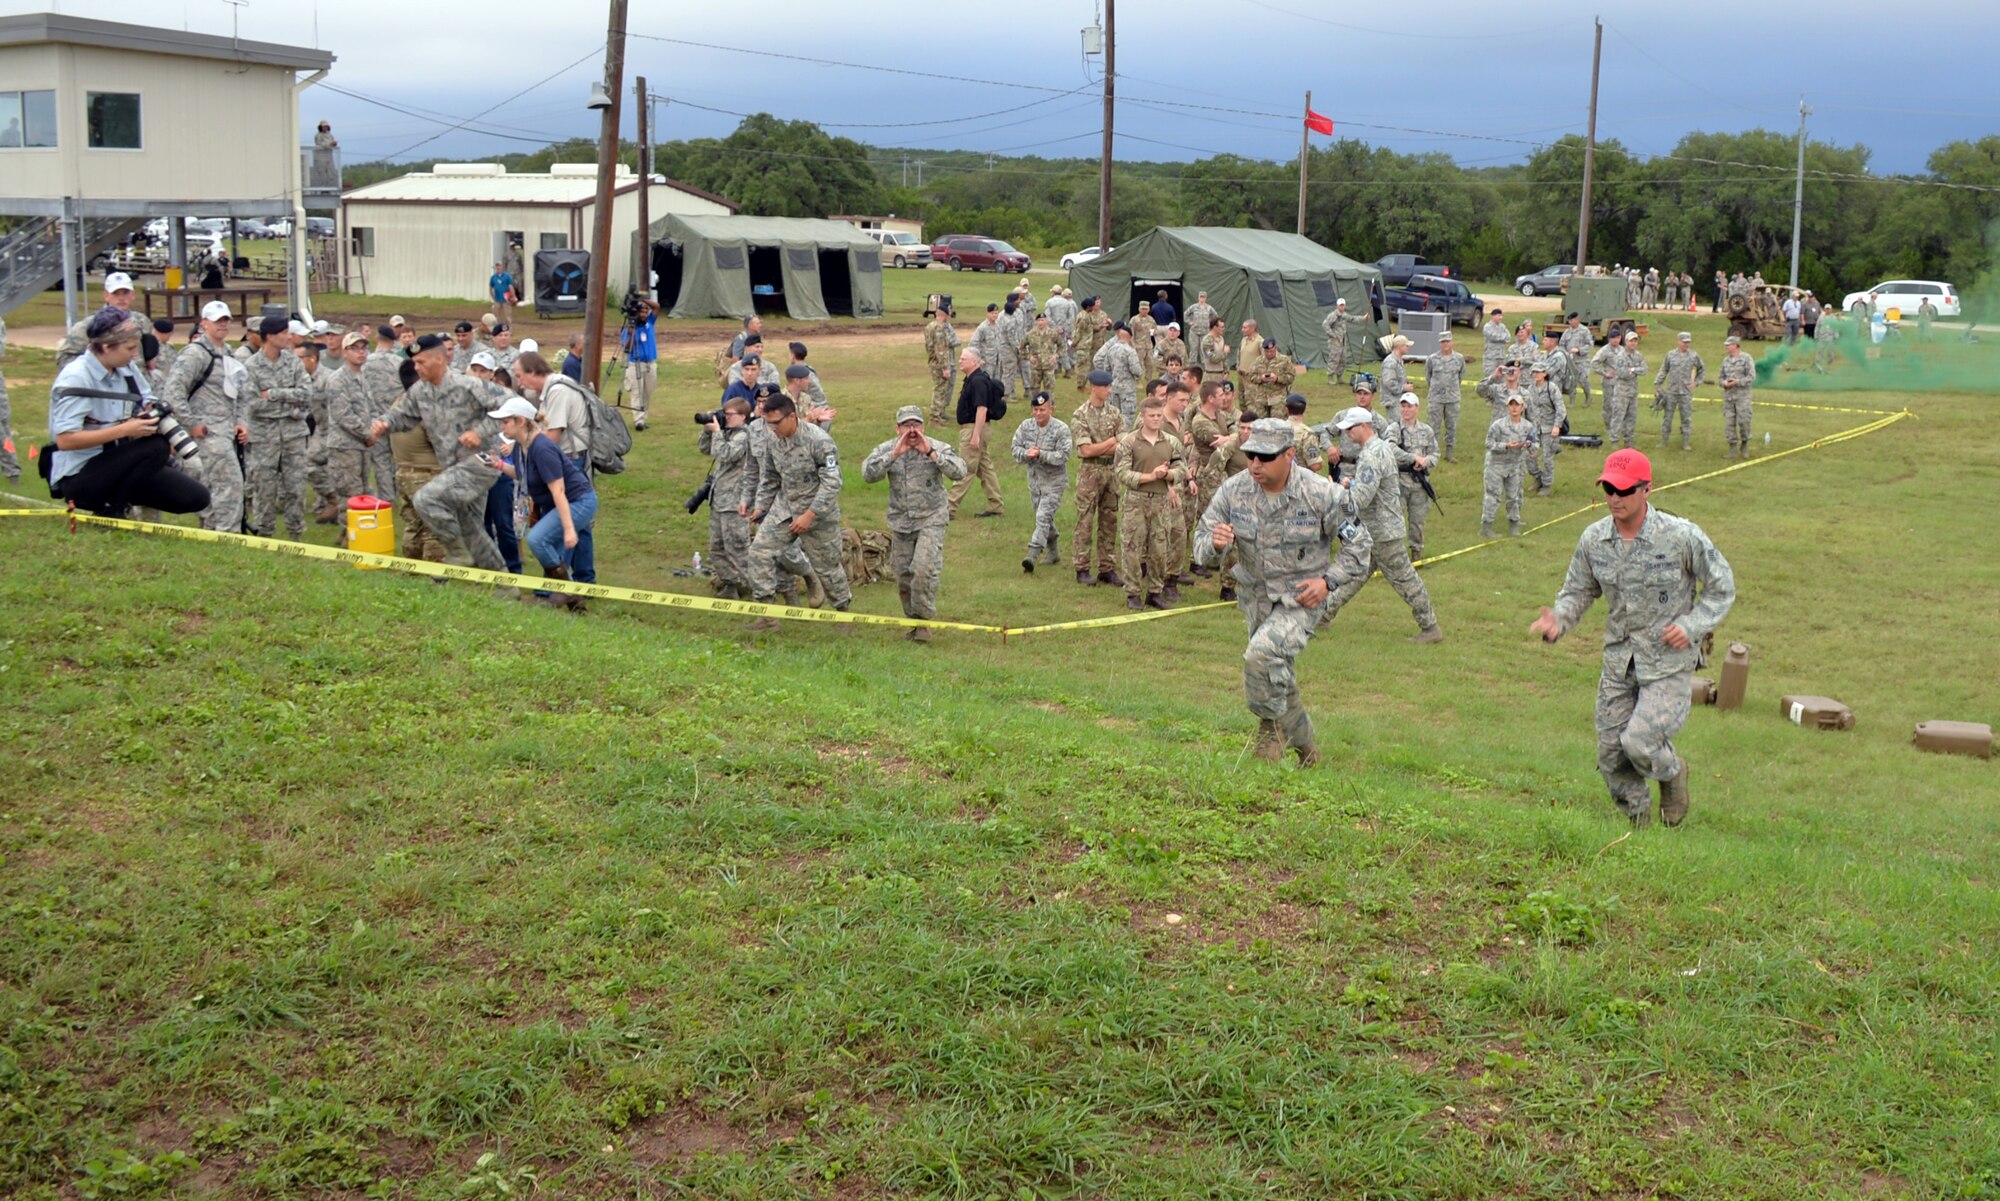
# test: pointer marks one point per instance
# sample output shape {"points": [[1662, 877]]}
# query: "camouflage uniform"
{"points": [[1649, 290], [1013, 331], [990, 340], [1062, 319], [1673, 391], [1093, 329], [317, 452], [1268, 400], [350, 410], [1408, 443], [1379, 499], [1048, 476], [1194, 324], [1498, 339], [919, 514], [1546, 412], [1443, 376], [1145, 518], [1621, 391], [941, 350], [1644, 690], [275, 456], [10, 466], [163, 365], [1170, 347], [381, 375], [1204, 433], [452, 505], [1121, 359], [793, 560], [728, 530], [1341, 444], [1283, 540], [1578, 343], [1215, 357], [1506, 471], [1143, 327], [1339, 327], [1395, 379], [1311, 450], [1041, 358], [416, 465], [1096, 488], [1738, 376], [800, 472]]}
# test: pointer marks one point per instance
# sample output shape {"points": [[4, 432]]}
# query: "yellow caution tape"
{"points": [[708, 604], [1782, 404]]}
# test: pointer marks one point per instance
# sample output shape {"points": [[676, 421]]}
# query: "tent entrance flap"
{"points": [[667, 264], [836, 285], [1149, 290], [767, 278]]}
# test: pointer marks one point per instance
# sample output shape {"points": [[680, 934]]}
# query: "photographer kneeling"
{"points": [[112, 447]]}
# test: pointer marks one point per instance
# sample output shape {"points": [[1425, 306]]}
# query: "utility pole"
{"points": [[906, 170], [920, 165], [1589, 151], [1799, 192], [642, 266], [1104, 167], [607, 178], [1304, 130]]}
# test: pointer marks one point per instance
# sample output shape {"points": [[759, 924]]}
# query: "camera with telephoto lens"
{"points": [[633, 307], [173, 431], [712, 417]]}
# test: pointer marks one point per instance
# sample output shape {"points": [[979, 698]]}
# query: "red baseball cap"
{"points": [[1625, 468]]}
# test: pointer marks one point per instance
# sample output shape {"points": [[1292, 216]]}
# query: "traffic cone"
{"points": [[1690, 302]]}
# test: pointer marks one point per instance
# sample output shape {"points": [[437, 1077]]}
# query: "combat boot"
{"points": [[920, 634], [815, 591], [1229, 592], [1674, 797], [1486, 531], [1270, 744], [1028, 564], [1112, 578], [1308, 755], [1053, 558], [1427, 637], [1085, 578], [761, 625], [1171, 593], [1514, 528]]}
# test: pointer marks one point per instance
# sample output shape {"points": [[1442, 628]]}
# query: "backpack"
{"points": [[865, 555], [610, 437]]}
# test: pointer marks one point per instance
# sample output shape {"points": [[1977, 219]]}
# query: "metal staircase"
{"points": [[31, 256]]}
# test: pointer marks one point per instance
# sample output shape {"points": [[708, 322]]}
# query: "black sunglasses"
{"points": [[1262, 458], [1610, 491]]}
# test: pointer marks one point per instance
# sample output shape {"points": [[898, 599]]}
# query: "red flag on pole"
{"points": [[1318, 123]]}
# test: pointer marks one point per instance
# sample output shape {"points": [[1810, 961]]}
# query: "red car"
{"points": [[961, 252]]}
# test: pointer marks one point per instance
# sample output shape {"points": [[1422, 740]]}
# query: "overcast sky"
{"points": [[1482, 86]]}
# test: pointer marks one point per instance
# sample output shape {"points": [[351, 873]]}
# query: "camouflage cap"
{"points": [[1684, 336], [1268, 436], [910, 413]]}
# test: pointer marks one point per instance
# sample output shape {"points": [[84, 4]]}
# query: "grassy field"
{"points": [[320, 882]]}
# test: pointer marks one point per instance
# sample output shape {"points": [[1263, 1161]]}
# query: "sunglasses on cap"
{"points": [[1610, 491]]}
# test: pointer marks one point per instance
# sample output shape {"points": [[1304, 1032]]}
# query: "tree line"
{"points": [[1718, 201]]}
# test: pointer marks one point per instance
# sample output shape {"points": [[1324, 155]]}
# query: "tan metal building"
{"points": [[437, 233], [102, 127]]}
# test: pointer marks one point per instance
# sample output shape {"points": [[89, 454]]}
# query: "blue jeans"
{"points": [[583, 559], [546, 539], [500, 522]]}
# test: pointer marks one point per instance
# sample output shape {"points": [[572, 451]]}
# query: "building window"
{"points": [[363, 239], [27, 119], [112, 119], [555, 241]]}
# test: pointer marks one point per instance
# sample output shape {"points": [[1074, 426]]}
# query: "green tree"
{"points": [[775, 168]]}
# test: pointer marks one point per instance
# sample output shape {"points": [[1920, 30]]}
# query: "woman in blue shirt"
{"points": [[565, 503], [109, 453]]}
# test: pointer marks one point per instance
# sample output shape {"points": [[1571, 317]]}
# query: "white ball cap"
{"points": [[1410, 398], [482, 359], [298, 329], [117, 281], [515, 407], [215, 310], [529, 346], [1349, 418]]}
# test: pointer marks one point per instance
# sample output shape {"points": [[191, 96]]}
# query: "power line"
{"points": [[593, 52], [828, 62], [460, 123]]}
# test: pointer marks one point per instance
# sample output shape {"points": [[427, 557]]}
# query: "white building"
{"points": [[104, 125], [437, 233]]}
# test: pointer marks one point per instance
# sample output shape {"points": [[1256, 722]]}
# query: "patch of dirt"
{"points": [[1876, 1183], [683, 1134], [1123, 724], [192, 622], [1049, 706], [65, 666]]}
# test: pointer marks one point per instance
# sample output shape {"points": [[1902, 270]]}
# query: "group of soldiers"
{"points": [[1649, 289], [294, 419]]}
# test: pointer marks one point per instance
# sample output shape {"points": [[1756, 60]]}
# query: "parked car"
{"points": [[1077, 258], [250, 227], [1398, 269], [1435, 294], [1904, 294], [900, 248], [316, 227], [1546, 282], [962, 251]]}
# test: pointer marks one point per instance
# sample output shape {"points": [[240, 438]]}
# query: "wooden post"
{"points": [[607, 178], [1104, 167], [643, 267]]}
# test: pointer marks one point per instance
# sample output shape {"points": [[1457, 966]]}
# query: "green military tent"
{"points": [[742, 266], [1287, 282]]}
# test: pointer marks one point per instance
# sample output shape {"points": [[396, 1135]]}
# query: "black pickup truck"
{"points": [[1435, 294], [1397, 269]]}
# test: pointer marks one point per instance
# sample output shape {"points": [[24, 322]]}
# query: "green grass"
{"points": [[339, 883]]}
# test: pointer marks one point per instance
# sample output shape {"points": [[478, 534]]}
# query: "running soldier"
{"points": [[798, 503], [1379, 499]]}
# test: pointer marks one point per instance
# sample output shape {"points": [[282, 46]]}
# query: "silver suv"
{"points": [[900, 248]]}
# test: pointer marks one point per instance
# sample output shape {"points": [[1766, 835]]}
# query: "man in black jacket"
{"points": [[980, 402]]}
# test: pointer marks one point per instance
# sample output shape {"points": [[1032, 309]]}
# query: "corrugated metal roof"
{"points": [[30, 28], [523, 188]]}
